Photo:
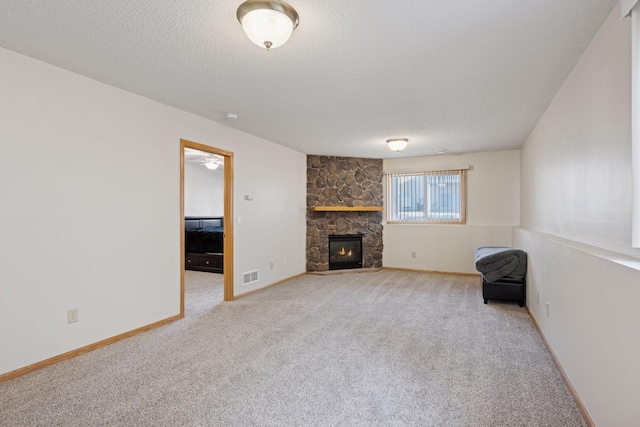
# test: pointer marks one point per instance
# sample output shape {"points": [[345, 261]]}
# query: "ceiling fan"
{"points": [[212, 163]]}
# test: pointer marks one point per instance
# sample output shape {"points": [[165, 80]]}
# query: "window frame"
{"points": [[391, 198]]}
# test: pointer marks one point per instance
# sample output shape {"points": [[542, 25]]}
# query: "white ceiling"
{"points": [[462, 75]]}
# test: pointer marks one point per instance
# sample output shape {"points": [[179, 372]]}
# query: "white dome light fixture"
{"points": [[397, 144], [267, 23]]}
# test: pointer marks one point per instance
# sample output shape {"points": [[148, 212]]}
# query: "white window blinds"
{"points": [[434, 197]]}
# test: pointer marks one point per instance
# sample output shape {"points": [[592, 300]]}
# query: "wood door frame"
{"points": [[228, 217]]}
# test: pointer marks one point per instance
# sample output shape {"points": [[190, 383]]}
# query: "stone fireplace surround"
{"points": [[344, 182]]}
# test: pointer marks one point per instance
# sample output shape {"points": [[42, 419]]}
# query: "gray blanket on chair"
{"points": [[494, 263]]}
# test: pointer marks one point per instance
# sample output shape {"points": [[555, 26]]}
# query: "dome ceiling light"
{"points": [[397, 144], [267, 23]]}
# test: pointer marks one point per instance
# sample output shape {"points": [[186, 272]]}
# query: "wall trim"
{"points": [[452, 273], [279, 282], [627, 259], [87, 348], [574, 393]]}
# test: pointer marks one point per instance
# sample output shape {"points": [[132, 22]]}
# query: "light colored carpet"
{"points": [[203, 291], [385, 348]]}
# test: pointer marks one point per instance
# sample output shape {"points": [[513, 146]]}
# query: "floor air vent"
{"points": [[249, 277]]}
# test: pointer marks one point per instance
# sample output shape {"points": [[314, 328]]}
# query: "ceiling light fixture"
{"points": [[397, 144], [267, 23]]}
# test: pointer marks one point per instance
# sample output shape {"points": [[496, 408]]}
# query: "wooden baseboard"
{"points": [[581, 407], [280, 282], [431, 271], [73, 353]]}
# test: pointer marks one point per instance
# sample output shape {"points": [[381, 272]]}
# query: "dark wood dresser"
{"points": [[211, 262]]}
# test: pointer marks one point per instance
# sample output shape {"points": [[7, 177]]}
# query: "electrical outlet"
{"points": [[537, 296], [413, 254], [272, 264], [72, 315], [547, 309], [284, 261]]}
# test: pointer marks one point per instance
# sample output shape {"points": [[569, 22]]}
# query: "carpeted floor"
{"points": [[369, 349], [203, 291]]}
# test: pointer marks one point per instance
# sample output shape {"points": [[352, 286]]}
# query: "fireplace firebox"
{"points": [[345, 251]]}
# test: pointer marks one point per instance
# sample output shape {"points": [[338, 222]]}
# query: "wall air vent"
{"points": [[249, 277]]}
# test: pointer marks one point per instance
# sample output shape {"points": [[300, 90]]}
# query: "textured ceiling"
{"points": [[463, 75]]}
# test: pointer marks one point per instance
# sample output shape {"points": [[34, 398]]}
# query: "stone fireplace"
{"points": [[344, 197]]}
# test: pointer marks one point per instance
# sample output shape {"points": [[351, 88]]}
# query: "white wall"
{"points": [[203, 190], [593, 321], [576, 168], [85, 225], [576, 188], [493, 208]]}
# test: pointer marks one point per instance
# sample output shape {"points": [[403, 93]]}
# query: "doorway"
{"points": [[227, 233]]}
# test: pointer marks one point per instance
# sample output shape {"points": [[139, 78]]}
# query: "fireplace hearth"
{"points": [[345, 251]]}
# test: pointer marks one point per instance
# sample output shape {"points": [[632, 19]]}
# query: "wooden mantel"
{"points": [[347, 208]]}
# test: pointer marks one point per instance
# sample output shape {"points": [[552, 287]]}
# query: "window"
{"points": [[436, 197]]}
